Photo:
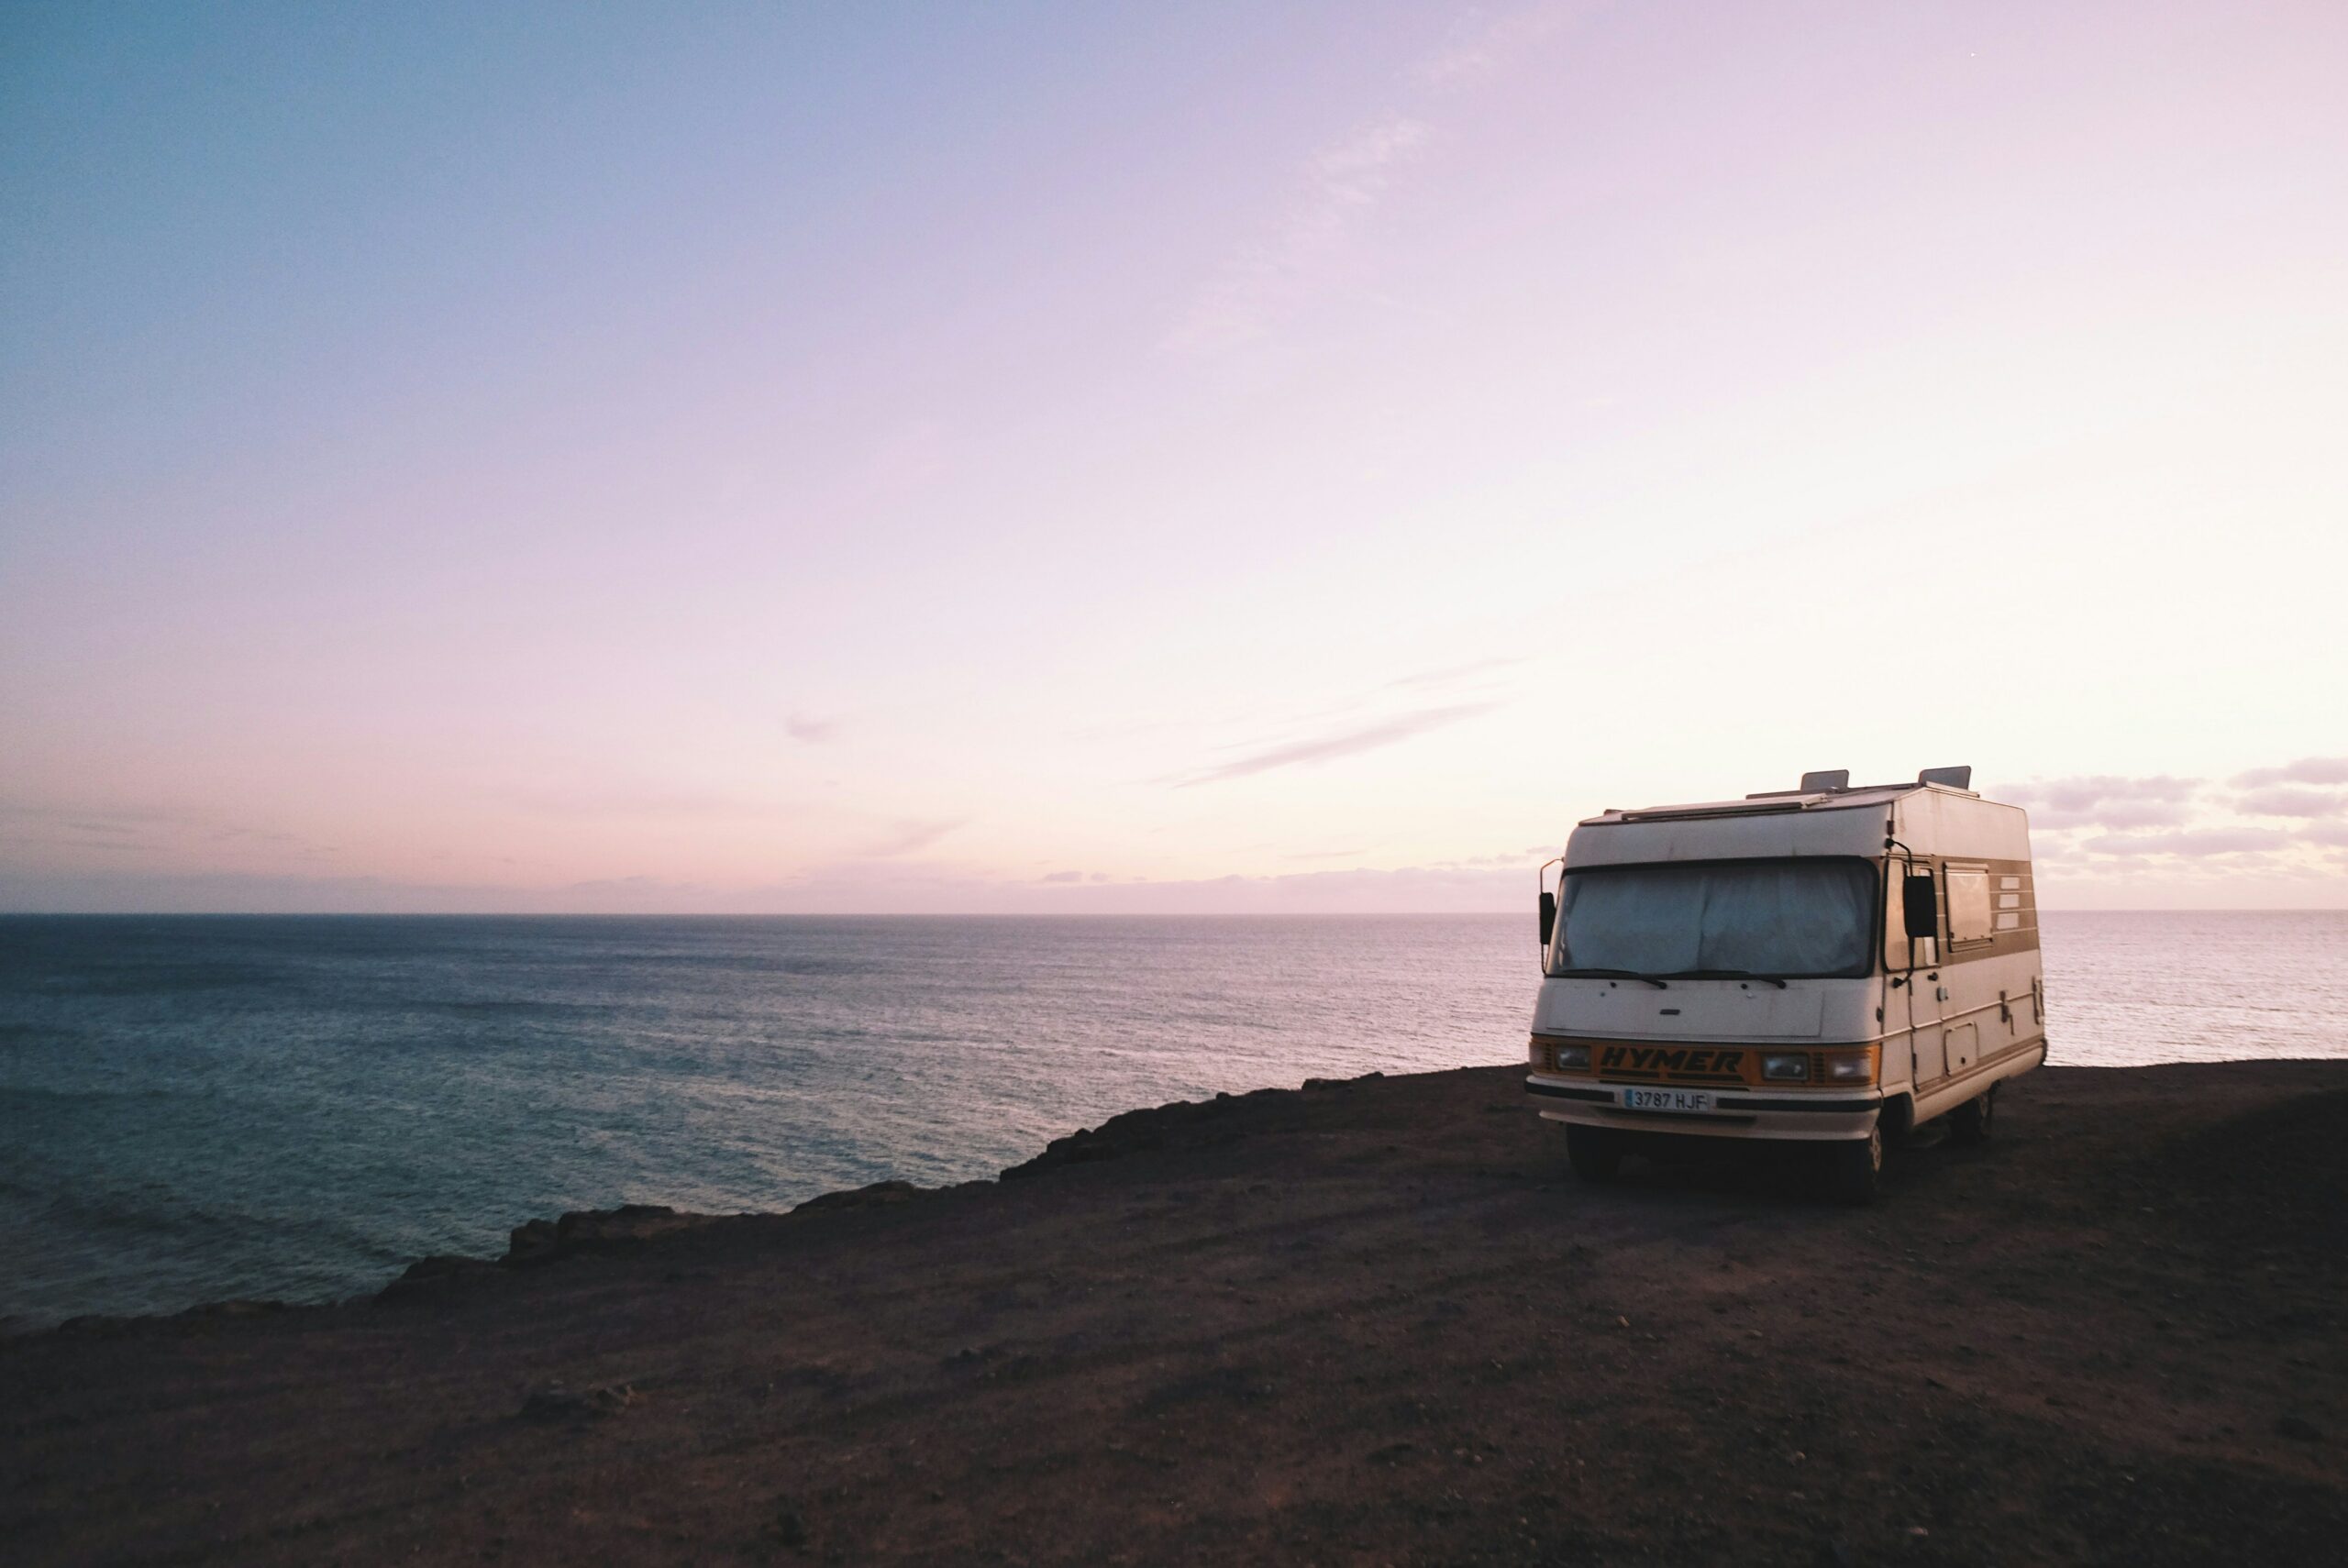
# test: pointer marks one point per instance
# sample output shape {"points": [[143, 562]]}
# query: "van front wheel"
{"points": [[1593, 1153], [1855, 1168], [1970, 1123]]}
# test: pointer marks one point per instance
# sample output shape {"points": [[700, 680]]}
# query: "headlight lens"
{"points": [[1786, 1069], [1573, 1058], [1855, 1069]]}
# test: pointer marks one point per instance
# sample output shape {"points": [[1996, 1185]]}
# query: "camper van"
{"points": [[1833, 965]]}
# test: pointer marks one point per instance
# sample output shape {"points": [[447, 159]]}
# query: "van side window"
{"points": [[1968, 906]]}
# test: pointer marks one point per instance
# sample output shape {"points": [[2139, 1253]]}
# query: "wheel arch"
{"points": [[1897, 1117]]}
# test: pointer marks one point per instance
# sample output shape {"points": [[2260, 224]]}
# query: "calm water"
{"points": [[192, 1108]]}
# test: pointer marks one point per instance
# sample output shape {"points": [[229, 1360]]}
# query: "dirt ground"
{"points": [[1376, 1322]]}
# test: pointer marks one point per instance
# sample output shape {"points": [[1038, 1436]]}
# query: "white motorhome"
{"points": [[1829, 964]]}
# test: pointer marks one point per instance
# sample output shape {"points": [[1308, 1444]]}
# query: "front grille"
{"points": [[1698, 1065]]}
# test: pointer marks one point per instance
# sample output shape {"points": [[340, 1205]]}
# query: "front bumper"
{"points": [[1813, 1116]]}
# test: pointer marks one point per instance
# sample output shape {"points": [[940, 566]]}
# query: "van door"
{"points": [[1978, 1014], [1927, 996]]}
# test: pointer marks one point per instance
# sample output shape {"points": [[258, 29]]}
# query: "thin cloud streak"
{"points": [[1345, 743], [1260, 284], [1483, 45], [912, 834], [1451, 674], [650, 804], [1345, 179], [141, 829]]}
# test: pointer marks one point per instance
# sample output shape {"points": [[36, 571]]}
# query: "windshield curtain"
{"points": [[1783, 918]]}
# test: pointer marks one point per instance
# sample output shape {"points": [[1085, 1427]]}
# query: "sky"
{"points": [[1240, 457]]}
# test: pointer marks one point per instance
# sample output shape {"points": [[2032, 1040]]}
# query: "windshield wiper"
{"points": [[1728, 974], [1613, 973]]}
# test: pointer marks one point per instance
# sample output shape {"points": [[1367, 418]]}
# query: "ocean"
{"points": [[296, 1108]]}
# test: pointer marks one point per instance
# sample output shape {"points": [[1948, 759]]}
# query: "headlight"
{"points": [[1852, 1069], [1786, 1069], [1573, 1058]]}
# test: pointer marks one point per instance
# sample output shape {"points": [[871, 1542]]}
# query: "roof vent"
{"points": [[1830, 778], [1954, 778]]}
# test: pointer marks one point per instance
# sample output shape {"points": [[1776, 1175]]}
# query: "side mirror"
{"points": [[1919, 909], [1548, 918]]}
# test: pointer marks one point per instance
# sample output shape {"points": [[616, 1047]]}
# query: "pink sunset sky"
{"points": [[1042, 458]]}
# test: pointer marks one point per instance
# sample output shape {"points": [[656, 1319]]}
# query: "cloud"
{"points": [[2118, 814], [2199, 822], [1526, 858], [89, 819], [1411, 890], [1338, 183], [144, 831], [2078, 794], [627, 801], [1062, 876], [2193, 844], [1344, 743], [636, 887], [124, 890], [810, 730], [1481, 44], [911, 835], [2103, 801], [1451, 674], [1351, 172], [2283, 801], [2307, 770], [931, 888]]}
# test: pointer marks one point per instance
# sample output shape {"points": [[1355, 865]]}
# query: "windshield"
{"points": [[1779, 918]]}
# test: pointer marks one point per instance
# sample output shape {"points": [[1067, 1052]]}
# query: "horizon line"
{"points": [[970, 914]]}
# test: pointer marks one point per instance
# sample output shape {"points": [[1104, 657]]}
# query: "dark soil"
{"points": [[1373, 1323]]}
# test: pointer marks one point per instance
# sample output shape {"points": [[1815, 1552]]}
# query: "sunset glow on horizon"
{"points": [[901, 459]]}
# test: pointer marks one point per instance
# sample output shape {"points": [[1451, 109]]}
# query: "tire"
{"points": [[1855, 1169], [1594, 1154], [1969, 1123]]}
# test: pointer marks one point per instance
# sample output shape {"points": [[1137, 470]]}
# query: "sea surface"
{"points": [[200, 1107]]}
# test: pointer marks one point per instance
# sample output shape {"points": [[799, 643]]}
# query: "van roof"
{"points": [[1770, 802]]}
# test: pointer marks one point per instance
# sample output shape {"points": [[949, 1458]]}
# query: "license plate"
{"points": [[1665, 1100]]}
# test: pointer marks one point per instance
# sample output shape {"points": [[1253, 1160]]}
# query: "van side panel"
{"points": [[1976, 1014]]}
